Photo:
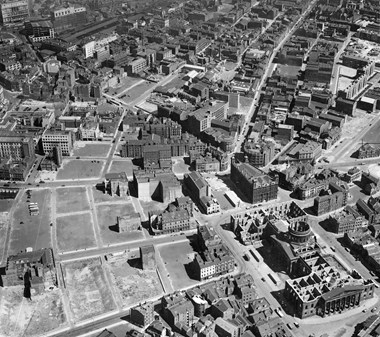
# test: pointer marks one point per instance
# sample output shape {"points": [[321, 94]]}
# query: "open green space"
{"points": [[75, 232], [72, 199], [31, 230], [21, 317], [80, 169], [107, 219], [93, 150], [125, 276], [87, 288], [175, 256]]}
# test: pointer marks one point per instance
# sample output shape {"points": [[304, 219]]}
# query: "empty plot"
{"points": [[107, 219], [125, 277], [122, 166], [176, 256], [72, 199], [75, 232], [88, 290], [93, 150], [80, 169], [28, 230], [21, 317]]}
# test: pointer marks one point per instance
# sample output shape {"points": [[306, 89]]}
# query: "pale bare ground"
{"points": [[22, 317], [125, 277], [86, 284]]}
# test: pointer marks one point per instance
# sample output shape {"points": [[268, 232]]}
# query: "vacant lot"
{"points": [[31, 231], [176, 256], [80, 169], [93, 150], [107, 219], [86, 284], [122, 166], [125, 277], [75, 232], [136, 91], [21, 317], [72, 199], [373, 135], [148, 206], [6, 205], [179, 167]]}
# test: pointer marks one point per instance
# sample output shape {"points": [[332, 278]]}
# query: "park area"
{"points": [[177, 258], [107, 219], [21, 317], [92, 150], [31, 230], [87, 287], [75, 231], [72, 199], [126, 274], [80, 169]]}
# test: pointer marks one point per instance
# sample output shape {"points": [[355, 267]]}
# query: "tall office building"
{"points": [[14, 12], [68, 17]]}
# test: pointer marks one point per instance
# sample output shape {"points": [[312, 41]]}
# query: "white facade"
{"points": [[52, 139], [68, 11]]}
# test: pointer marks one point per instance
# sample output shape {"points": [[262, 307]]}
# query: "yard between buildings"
{"points": [[75, 231], [86, 284], [27, 230]]}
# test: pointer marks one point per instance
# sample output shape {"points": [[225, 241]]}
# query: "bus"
{"points": [[254, 255], [272, 278]]}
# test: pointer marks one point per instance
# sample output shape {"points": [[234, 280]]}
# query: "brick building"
{"points": [[256, 185]]}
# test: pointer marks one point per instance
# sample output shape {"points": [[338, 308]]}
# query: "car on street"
{"points": [[263, 279], [296, 325], [373, 309]]}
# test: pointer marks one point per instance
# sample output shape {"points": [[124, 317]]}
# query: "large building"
{"points": [[16, 147], [14, 12], [211, 264], [40, 30], [54, 138], [333, 198], [327, 291], [172, 222], [197, 186], [33, 269], [256, 185], [143, 314], [157, 184], [69, 17]]}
